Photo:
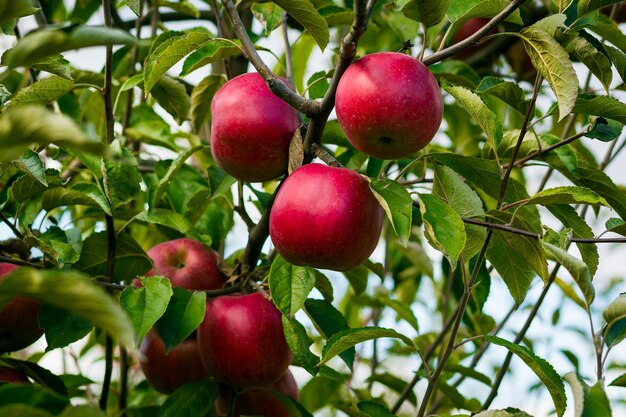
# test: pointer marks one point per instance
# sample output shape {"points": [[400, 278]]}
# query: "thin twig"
{"points": [[325, 156], [10, 260], [288, 59], [13, 227], [550, 148]]}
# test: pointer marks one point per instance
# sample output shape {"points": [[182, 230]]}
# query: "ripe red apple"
{"points": [[466, 30], [19, 327], [389, 105], [241, 340], [251, 129], [166, 373], [12, 376], [325, 217], [259, 401], [188, 264]]}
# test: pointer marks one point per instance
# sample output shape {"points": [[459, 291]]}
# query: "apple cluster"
{"points": [[389, 106], [240, 343]]}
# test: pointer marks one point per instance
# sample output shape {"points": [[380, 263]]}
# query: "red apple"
{"points": [[188, 264], [251, 129], [389, 105], [12, 376], [241, 340], [466, 30], [259, 401], [166, 373], [325, 217], [19, 327]]}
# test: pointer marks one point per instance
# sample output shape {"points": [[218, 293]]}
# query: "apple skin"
{"points": [[167, 373], [466, 30], [241, 340], [19, 326], [389, 105], [12, 376], [259, 401], [325, 217], [251, 129], [187, 264]]}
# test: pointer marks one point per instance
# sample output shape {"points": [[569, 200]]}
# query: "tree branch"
{"points": [[276, 85], [19, 262], [466, 43], [13, 228], [550, 148]]}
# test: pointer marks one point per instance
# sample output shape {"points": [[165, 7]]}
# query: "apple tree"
{"points": [[312, 207]]}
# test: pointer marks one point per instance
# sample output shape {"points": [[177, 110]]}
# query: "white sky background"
{"points": [[549, 340]]}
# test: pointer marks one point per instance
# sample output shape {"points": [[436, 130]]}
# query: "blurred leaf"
{"points": [[290, 285], [299, 343], [620, 381], [145, 305], [122, 181], [171, 94], [357, 277], [201, 98], [82, 194], [194, 399], [374, 409], [577, 268], [211, 51], [596, 61], [11, 10], [184, 314], [507, 91], [428, 12], [42, 91], [463, 10], [269, 15], [30, 163], [72, 292], [181, 6], [348, 338], [397, 203], [305, 13], [328, 320], [568, 216], [589, 401], [602, 106], [615, 316], [546, 373], [61, 328], [40, 375], [175, 166]]}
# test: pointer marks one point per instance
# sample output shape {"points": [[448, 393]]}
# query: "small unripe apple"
{"points": [[325, 217], [466, 30], [19, 327], [259, 401], [389, 105], [241, 340], [251, 129], [188, 264], [12, 376], [167, 373]]}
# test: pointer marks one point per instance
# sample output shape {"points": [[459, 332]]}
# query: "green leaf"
{"points": [[397, 203], [469, 372], [430, 13], [546, 373], [30, 163], [403, 310], [42, 91], [324, 286], [171, 94], [40, 375], [28, 125], [620, 381], [553, 63], [577, 268], [37, 398], [463, 10], [201, 98], [269, 15], [597, 62], [181, 6], [135, 6], [304, 12], [290, 285], [130, 259], [374, 409], [328, 321], [194, 399], [173, 220], [176, 165], [61, 328], [509, 412], [565, 153], [358, 278], [449, 187], [213, 50], [444, 227], [122, 181], [10, 11], [82, 411], [300, 343], [346, 339], [456, 72], [55, 64], [589, 401], [567, 195], [602, 106], [147, 304], [47, 42], [615, 316], [184, 314], [168, 53], [72, 292], [588, 6], [568, 216], [394, 383], [476, 107], [507, 91], [81, 194]]}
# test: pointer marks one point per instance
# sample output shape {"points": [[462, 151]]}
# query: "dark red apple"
{"points": [[259, 401], [12, 376], [19, 327], [241, 340], [166, 373], [325, 217], [251, 129], [188, 264], [466, 30], [389, 105]]}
